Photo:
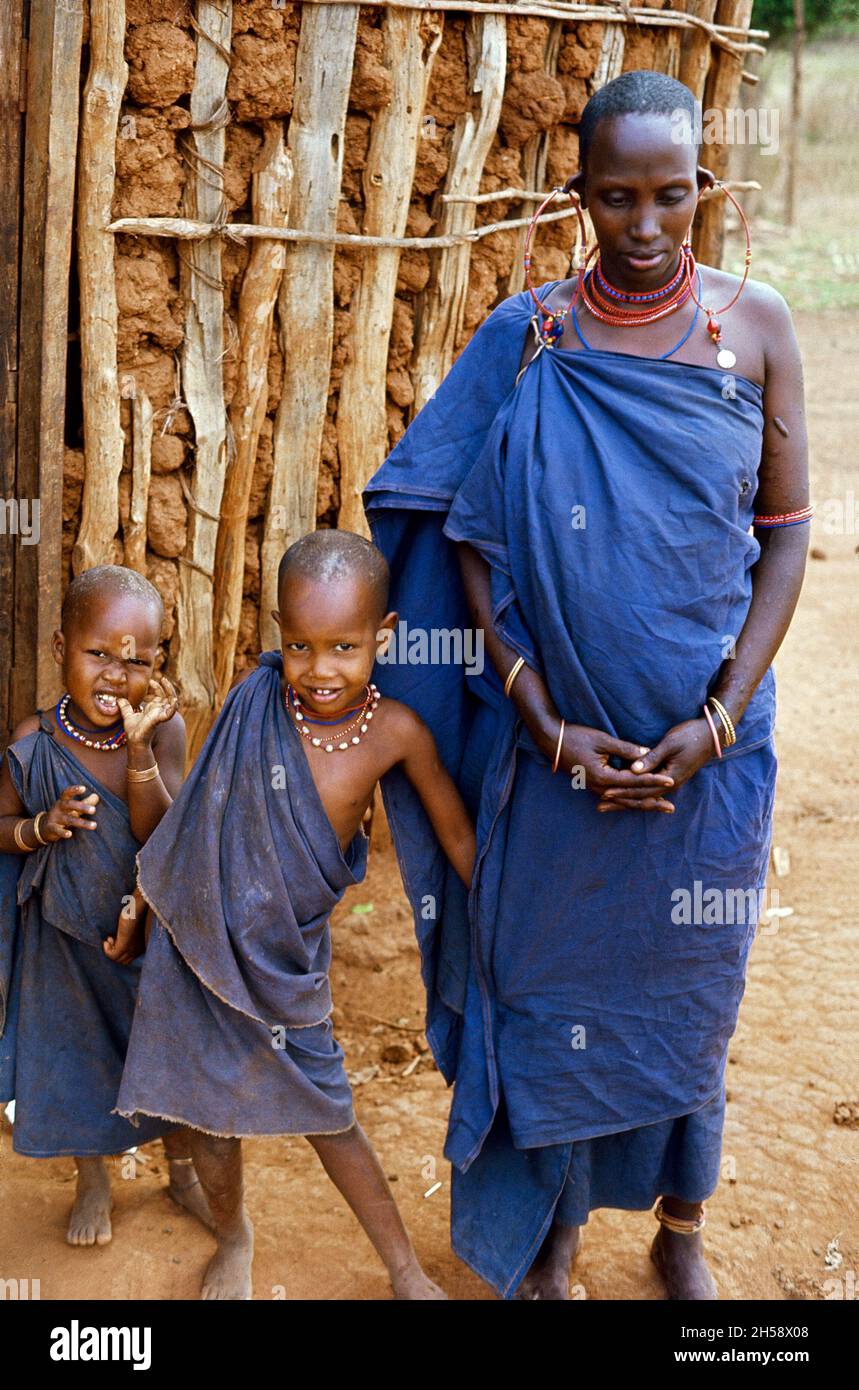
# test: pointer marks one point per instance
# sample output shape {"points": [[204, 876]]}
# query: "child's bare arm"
{"points": [[69, 813], [155, 736], [441, 800]]}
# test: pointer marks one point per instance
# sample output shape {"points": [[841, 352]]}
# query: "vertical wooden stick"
{"points": [[272, 185], [695, 48], [797, 48], [191, 657], [53, 105], [103, 438], [439, 308], [141, 471], [323, 73], [612, 49], [362, 429], [721, 92], [12, 49]]}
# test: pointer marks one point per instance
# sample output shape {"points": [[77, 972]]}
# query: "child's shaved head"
{"points": [[102, 583], [325, 556]]}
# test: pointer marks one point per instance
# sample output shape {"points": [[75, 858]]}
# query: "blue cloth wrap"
{"points": [[584, 1022], [243, 872], [65, 1009]]}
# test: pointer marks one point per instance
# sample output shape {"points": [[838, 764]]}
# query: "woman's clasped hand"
{"points": [[652, 772]]}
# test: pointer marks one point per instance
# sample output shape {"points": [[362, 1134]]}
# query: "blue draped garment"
{"points": [[583, 1021], [65, 1009], [232, 1032]]}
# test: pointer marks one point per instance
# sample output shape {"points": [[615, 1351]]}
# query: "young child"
{"points": [[242, 875], [79, 792]]}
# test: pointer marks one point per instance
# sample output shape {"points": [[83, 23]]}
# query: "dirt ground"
{"points": [[786, 1209]]}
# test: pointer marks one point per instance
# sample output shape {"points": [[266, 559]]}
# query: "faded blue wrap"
{"points": [[584, 1021], [67, 1009], [243, 872]]}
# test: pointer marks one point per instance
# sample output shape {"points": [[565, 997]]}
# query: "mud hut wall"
{"points": [[552, 67]]}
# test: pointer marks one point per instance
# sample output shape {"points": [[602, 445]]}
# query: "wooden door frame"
{"points": [[40, 57]]}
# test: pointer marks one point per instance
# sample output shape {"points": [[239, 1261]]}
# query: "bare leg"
{"points": [[680, 1258], [219, 1167], [89, 1222], [184, 1186], [549, 1276], [355, 1171]]}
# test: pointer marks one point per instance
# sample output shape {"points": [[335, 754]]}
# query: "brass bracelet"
{"points": [[680, 1225], [727, 721], [19, 839], [558, 749], [146, 774], [36, 831], [512, 674]]}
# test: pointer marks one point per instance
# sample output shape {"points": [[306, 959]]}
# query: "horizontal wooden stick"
{"points": [[528, 195], [721, 34], [185, 229]]}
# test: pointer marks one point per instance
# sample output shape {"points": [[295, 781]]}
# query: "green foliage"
{"points": [[777, 15]]}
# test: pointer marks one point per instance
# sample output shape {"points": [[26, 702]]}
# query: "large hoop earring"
{"points": [[551, 325]]}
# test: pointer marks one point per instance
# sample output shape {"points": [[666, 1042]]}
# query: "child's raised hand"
{"points": [[73, 811], [158, 705]]}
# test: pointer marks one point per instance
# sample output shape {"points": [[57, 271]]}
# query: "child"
{"points": [[77, 797], [242, 876]]}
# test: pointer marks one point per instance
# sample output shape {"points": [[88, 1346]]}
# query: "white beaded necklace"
{"points": [[340, 744]]}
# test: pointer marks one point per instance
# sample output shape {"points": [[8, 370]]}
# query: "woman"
{"points": [[617, 749]]}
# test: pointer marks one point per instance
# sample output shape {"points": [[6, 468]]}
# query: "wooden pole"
{"points": [[50, 144], [141, 471], [272, 186], [191, 655], [797, 50], [410, 46], [11, 130], [323, 72], [439, 308], [103, 437], [721, 92], [695, 48]]}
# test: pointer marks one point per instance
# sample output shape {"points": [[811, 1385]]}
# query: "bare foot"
{"points": [[186, 1190], [548, 1279], [680, 1261], [412, 1285], [89, 1222], [229, 1273]]}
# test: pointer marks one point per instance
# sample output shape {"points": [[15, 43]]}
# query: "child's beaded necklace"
{"points": [[107, 744], [340, 743]]}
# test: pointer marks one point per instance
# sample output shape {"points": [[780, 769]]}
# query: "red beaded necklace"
{"points": [[595, 290], [628, 309]]}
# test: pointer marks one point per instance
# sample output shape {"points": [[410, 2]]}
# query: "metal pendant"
{"points": [[726, 359]]}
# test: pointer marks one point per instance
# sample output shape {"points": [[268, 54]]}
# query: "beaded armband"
{"points": [[784, 518]]}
